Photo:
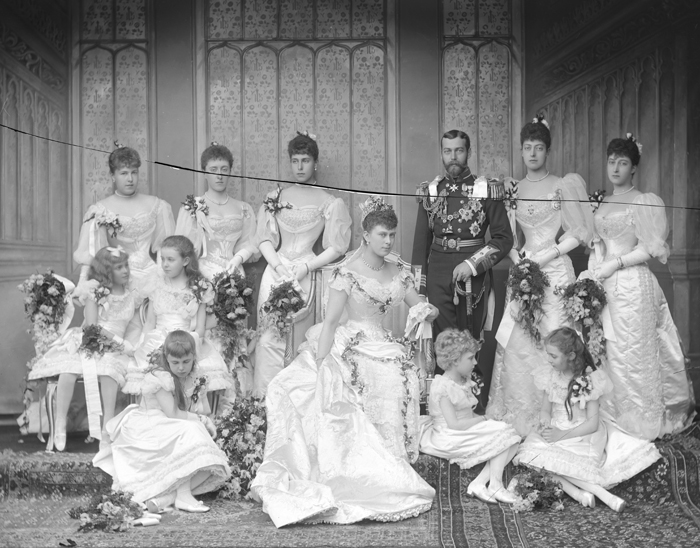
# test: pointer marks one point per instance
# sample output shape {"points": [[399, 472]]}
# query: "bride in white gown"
{"points": [[343, 417]]}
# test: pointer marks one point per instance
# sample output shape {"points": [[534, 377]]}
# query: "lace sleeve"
{"points": [[267, 230], [92, 237], [165, 224], [337, 232], [438, 390], [406, 278], [247, 239], [542, 377], [600, 383], [651, 226], [187, 226], [341, 280], [157, 380], [576, 214]]}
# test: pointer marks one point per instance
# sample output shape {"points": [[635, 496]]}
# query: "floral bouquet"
{"points": [[536, 490], [193, 205], [113, 512], [596, 199], [584, 301], [110, 221], [241, 435], [154, 357], [45, 306], [101, 293], [233, 303], [527, 283], [200, 287], [273, 204], [200, 386], [96, 343], [581, 388], [285, 299]]}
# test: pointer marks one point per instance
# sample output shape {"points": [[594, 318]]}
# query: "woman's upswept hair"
{"points": [[216, 151], [385, 217], [452, 344], [123, 157], [178, 344], [567, 341], [624, 147], [536, 131], [103, 263], [303, 144], [185, 248]]}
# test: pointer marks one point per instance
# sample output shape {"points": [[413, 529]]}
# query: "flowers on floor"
{"points": [[536, 490], [94, 342], [584, 301], [240, 434], [112, 513], [527, 283], [285, 299], [45, 306], [233, 303]]}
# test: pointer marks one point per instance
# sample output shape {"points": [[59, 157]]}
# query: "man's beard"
{"points": [[455, 168]]}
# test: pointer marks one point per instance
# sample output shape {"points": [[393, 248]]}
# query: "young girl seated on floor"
{"points": [[454, 432], [577, 442], [162, 449], [110, 304]]}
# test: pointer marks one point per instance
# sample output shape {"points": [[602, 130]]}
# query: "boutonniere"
{"points": [[200, 287], [100, 294], [194, 205], [596, 199], [511, 196], [273, 204]]}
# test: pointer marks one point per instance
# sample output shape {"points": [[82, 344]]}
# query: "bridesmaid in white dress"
{"points": [[289, 223], [136, 221], [224, 236], [558, 203], [652, 393]]}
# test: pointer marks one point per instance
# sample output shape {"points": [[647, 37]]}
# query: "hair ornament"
{"points": [[117, 144], [631, 137], [539, 119], [116, 251], [306, 133], [374, 203], [214, 144]]}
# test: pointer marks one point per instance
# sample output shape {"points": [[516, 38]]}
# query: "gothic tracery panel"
{"points": [[296, 19], [459, 88], [459, 17], [260, 22], [333, 19], [224, 19], [494, 17], [368, 18], [131, 19], [494, 112], [97, 20]]}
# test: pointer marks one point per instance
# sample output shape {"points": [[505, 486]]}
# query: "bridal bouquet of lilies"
{"points": [[584, 301], [285, 299], [527, 283]]}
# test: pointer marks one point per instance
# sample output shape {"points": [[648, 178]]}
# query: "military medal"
{"points": [[465, 189], [453, 187]]}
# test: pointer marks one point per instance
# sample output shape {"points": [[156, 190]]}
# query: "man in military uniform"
{"points": [[454, 212]]}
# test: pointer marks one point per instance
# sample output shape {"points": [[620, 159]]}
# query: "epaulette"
{"points": [[428, 189], [497, 189]]}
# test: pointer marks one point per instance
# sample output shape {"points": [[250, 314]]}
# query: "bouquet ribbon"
{"points": [[416, 326], [606, 319], [505, 330], [202, 221], [92, 396], [70, 308]]}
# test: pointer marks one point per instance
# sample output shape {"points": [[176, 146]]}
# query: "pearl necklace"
{"points": [[630, 189], [124, 195], [215, 202], [375, 268], [537, 180]]}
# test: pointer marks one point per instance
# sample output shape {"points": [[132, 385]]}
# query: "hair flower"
{"points": [[540, 119], [306, 133], [631, 137]]}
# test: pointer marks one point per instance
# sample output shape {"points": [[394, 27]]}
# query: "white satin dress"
{"points": [[294, 230], [341, 435], [513, 397], [652, 393], [606, 457]]}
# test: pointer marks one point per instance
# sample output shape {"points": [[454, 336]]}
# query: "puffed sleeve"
{"points": [[157, 380], [542, 377], [406, 278], [576, 213], [600, 384], [267, 230], [651, 226], [92, 237], [442, 388], [247, 239], [165, 224], [337, 232], [341, 280], [187, 226]]}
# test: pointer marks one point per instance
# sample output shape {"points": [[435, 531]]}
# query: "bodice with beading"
{"points": [[616, 230], [299, 228], [174, 308], [540, 221]]}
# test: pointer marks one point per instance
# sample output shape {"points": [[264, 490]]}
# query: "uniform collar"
{"points": [[460, 178]]}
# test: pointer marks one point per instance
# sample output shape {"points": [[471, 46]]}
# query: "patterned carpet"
{"points": [[663, 511]]}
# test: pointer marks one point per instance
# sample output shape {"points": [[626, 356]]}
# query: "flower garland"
{"points": [[113, 512], [273, 205], [193, 205], [94, 342], [527, 283], [536, 490], [45, 306], [233, 303], [584, 301], [285, 299], [241, 435], [596, 199]]}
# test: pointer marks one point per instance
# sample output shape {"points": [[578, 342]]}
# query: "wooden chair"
{"points": [[315, 308]]}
